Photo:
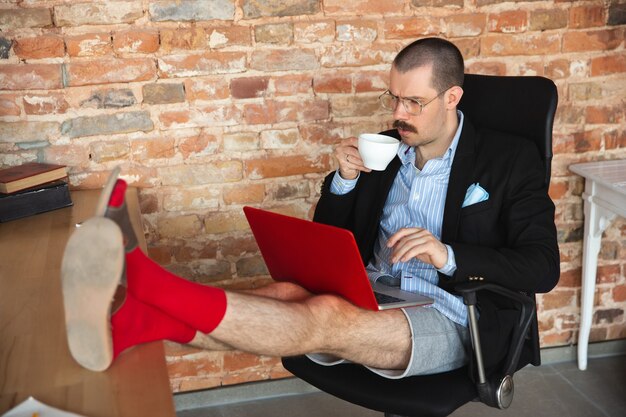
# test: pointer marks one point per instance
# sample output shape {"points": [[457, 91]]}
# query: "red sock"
{"points": [[136, 323], [200, 306], [118, 194]]}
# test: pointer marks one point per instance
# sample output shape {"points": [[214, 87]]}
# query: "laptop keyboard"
{"points": [[386, 299]]}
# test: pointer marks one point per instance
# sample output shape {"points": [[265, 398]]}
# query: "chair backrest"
{"points": [[523, 106]]}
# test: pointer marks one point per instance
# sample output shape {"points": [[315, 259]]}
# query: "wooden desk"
{"points": [[34, 356], [604, 199]]}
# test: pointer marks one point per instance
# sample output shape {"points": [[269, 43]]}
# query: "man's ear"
{"points": [[454, 96]]}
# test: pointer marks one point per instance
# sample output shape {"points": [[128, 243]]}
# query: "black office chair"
{"points": [[524, 106]]}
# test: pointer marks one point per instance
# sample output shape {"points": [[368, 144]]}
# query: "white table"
{"points": [[604, 199]]}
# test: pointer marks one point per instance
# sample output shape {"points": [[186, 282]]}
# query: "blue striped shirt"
{"points": [[416, 199]]}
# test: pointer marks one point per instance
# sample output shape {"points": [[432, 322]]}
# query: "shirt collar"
{"points": [[406, 153]]}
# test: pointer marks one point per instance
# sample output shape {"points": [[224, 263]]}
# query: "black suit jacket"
{"points": [[510, 239]]}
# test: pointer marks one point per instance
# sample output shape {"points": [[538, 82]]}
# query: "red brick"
{"points": [[284, 166], [209, 63], [571, 278], [193, 366], [327, 134], [313, 32], [136, 41], [364, 7], [528, 68], [46, 46], [589, 140], [557, 69], [605, 114], [190, 251], [460, 25], [558, 189], [587, 16], [469, 47], [249, 87], [487, 68], [156, 148], [619, 293], [592, 40], [30, 76], [25, 18], [609, 64], [558, 298], [40, 104], [183, 38], [292, 84], [548, 19], [160, 254], [367, 81], [608, 274], [512, 21], [284, 59], [244, 194], [104, 71], [91, 44], [199, 145], [226, 36], [357, 31], [332, 83], [236, 360], [526, 44], [356, 55], [113, 12], [557, 339], [238, 246], [615, 139], [260, 113], [207, 88], [9, 106], [225, 222]]}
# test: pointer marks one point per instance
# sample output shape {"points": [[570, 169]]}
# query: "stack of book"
{"points": [[32, 188]]}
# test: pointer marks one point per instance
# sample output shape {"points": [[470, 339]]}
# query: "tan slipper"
{"points": [[92, 266]]}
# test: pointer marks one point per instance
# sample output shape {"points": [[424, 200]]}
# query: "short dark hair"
{"points": [[444, 56]]}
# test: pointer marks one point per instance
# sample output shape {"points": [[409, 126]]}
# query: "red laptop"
{"points": [[323, 259]]}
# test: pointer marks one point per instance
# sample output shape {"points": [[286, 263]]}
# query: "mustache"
{"points": [[402, 125]]}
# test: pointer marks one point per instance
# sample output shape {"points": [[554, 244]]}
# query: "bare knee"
{"points": [[330, 317]]}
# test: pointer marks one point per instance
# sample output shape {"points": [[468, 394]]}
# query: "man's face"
{"points": [[424, 128]]}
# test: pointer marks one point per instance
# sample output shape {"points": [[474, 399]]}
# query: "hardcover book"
{"points": [[28, 175], [51, 196]]}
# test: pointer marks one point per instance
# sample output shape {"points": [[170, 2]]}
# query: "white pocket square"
{"points": [[475, 194]]}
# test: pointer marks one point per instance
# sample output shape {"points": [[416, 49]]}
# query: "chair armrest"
{"points": [[497, 392]]}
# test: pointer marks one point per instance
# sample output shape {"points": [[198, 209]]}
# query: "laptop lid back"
{"points": [[321, 258]]}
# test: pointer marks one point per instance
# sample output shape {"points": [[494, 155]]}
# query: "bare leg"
{"points": [[324, 324], [278, 291]]}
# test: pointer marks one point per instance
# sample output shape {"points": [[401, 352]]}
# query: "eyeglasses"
{"points": [[413, 106]]}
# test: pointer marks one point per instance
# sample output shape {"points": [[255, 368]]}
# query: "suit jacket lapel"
{"points": [[460, 179]]}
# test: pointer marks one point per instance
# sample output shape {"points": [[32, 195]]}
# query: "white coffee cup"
{"points": [[377, 150]]}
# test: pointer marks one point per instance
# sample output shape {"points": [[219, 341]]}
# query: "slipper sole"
{"points": [[91, 269]]}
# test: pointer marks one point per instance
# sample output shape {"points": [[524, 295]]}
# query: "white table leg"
{"points": [[596, 221]]}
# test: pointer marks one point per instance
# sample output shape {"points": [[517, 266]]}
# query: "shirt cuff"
{"points": [[450, 267], [341, 186]]}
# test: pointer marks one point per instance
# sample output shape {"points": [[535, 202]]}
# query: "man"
{"points": [[412, 229]]}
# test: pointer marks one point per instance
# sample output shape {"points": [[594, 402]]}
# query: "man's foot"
{"points": [[97, 332], [92, 265]]}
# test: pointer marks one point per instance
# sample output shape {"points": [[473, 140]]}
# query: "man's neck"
{"points": [[436, 148]]}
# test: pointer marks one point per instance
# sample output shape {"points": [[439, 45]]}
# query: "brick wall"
{"points": [[212, 105]]}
